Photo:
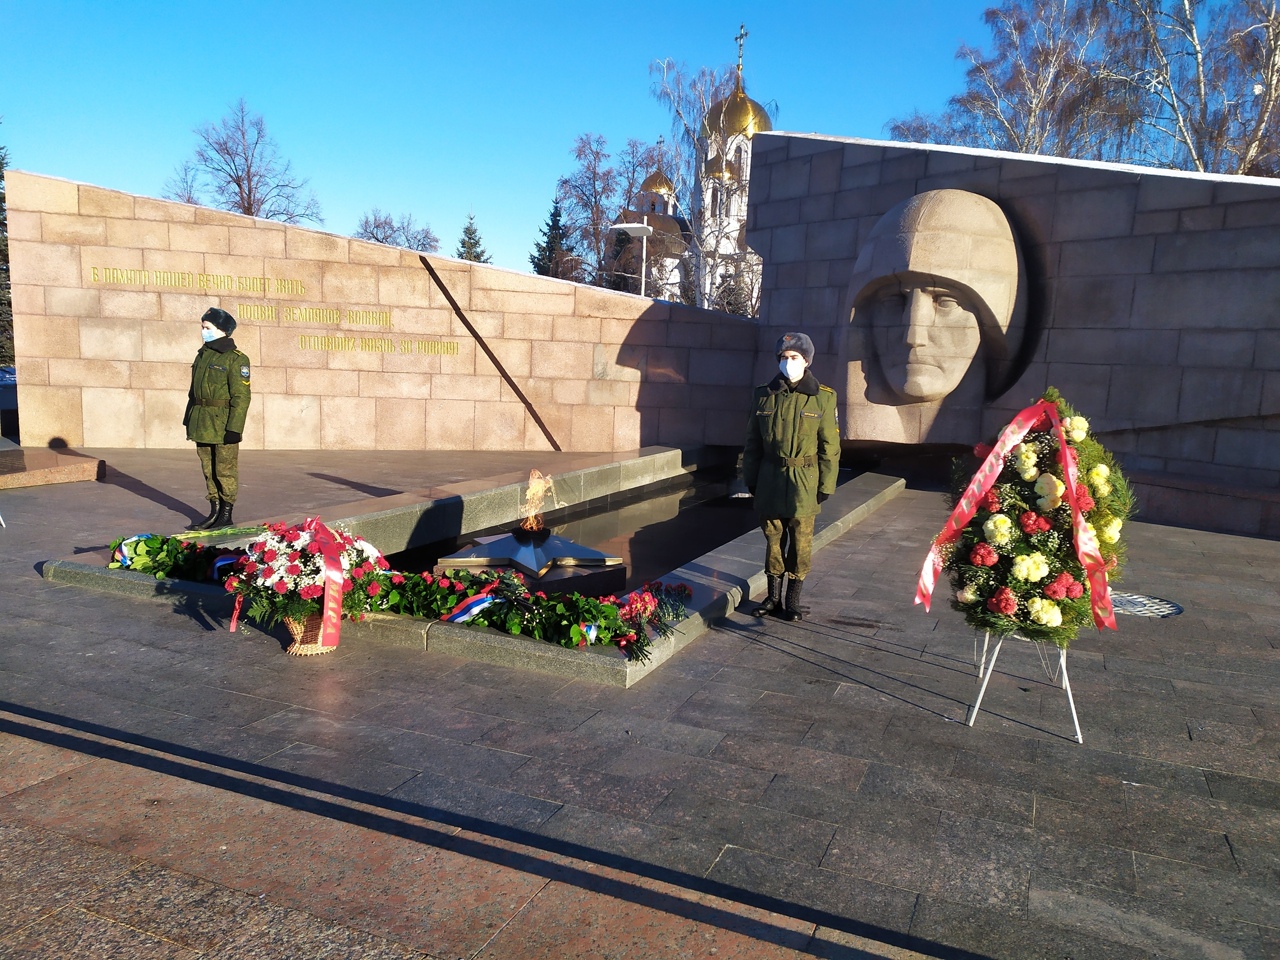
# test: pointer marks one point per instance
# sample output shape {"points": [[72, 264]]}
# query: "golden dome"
{"points": [[658, 182], [717, 168], [735, 115]]}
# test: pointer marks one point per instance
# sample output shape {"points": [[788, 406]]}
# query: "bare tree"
{"points": [[689, 96], [588, 200], [238, 164], [1192, 84], [1035, 90], [403, 232], [1207, 75]]}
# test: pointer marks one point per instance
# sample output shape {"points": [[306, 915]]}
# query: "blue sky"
{"points": [[439, 109]]}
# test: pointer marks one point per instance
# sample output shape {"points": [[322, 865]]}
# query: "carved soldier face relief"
{"points": [[936, 315], [925, 336]]}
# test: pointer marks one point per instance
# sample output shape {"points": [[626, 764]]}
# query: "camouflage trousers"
{"points": [[221, 465], [788, 546]]}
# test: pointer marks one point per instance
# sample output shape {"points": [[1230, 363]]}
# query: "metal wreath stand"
{"points": [[985, 669]]}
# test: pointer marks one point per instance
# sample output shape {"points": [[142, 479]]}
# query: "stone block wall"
{"points": [[354, 345], [1154, 295]]}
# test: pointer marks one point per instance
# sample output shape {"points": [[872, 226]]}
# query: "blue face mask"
{"points": [[208, 336]]}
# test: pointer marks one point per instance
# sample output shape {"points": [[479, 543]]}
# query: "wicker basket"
{"points": [[306, 636]]}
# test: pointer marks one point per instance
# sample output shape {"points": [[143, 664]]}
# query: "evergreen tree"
{"points": [[553, 250], [470, 246], [6, 299]]}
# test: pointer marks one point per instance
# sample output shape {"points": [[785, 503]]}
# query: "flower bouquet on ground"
{"points": [[1035, 533], [288, 574], [168, 557]]}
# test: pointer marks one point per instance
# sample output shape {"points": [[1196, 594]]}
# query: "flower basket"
{"points": [[306, 636]]}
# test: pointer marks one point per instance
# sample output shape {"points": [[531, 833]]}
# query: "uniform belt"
{"points": [[213, 403], [806, 461]]}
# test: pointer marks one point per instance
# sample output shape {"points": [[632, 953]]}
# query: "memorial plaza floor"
{"points": [[169, 789]]}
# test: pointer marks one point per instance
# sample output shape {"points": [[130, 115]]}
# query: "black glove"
{"points": [[231, 437], [751, 490], [822, 497]]}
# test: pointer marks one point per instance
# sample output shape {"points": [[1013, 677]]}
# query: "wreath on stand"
{"points": [[1035, 535]]}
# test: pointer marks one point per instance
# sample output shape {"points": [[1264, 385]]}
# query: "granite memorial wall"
{"points": [[354, 345], [1150, 298]]}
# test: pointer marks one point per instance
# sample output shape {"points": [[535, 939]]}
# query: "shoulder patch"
{"points": [[244, 371]]}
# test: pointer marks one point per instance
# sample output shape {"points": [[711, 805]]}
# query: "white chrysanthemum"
{"points": [[1044, 612], [998, 529], [1077, 428], [1031, 567], [968, 594], [1110, 532], [1050, 486]]}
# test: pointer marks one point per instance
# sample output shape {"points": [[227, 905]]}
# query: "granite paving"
{"points": [[169, 789]]}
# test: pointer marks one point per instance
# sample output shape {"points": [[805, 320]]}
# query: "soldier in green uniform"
{"points": [[790, 463], [216, 407]]}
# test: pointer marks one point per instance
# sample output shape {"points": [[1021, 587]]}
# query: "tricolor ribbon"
{"points": [[331, 607], [1086, 543], [470, 607]]}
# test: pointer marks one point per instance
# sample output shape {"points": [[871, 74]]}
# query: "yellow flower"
{"points": [[1050, 486], [998, 529], [968, 594], [1044, 612], [1110, 532], [1029, 474], [1099, 473], [1077, 428], [1031, 567]]}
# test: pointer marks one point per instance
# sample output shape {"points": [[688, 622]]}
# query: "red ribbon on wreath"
{"points": [[331, 607], [1086, 543]]}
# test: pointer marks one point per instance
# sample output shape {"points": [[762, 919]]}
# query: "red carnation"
{"points": [[280, 587], [269, 555], [347, 584], [1003, 601], [375, 588], [991, 500], [1075, 591], [1083, 500], [250, 567], [267, 573], [983, 556], [1032, 522], [382, 564], [313, 548], [292, 535], [292, 570], [294, 555], [982, 451], [397, 579], [444, 583], [1055, 591], [232, 583]]}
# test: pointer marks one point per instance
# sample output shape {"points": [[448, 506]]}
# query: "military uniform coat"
{"points": [[218, 400], [792, 451]]}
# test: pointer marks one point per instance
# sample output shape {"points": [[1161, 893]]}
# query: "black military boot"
{"points": [[214, 507], [793, 612], [223, 519], [773, 601]]}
